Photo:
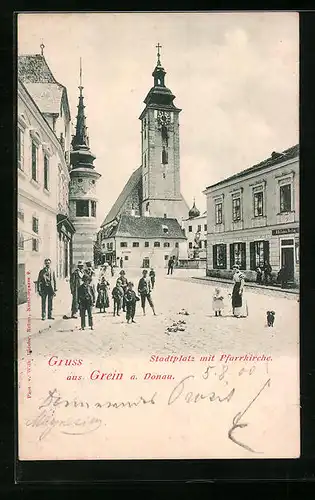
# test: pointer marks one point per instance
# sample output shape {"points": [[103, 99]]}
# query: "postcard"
{"points": [[158, 235]]}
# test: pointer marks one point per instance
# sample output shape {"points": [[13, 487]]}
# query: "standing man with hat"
{"points": [[76, 281], [124, 284], [46, 286]]}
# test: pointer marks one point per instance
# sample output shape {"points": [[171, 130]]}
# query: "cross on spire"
{"points": [[158, 47], [80, 86], [42, 46]]}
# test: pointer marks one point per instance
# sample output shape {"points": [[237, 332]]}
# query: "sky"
{"points": [[234, 75]]}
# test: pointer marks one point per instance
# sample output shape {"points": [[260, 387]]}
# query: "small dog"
{"points": [[270, 318]]}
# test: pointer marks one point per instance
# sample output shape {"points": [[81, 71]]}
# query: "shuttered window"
{"points": [[238, 255], [259, 253]]}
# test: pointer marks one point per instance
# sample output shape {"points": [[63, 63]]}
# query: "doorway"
{"points": [[146, 262], [287, 257]]}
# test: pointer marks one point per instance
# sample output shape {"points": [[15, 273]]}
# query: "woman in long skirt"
{"points": [[102, 295], [237, 293]]}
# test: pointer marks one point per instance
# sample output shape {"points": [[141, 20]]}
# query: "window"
{"points": [[165, 229], [190, 245], [123, 244], [20, 214], [258, 204], [190, 229], [165, 216], [236, 209], [108, 247], [165, 257], [20, 241], [259, 253], [166, 244], [285, 198], [135, 244], [80, 180], [93, 208], [176, 245], [20, 148], [200, 244], [219, 256], [146, 244], [145, 128], [35, 244], [205, 227], [126, 257], [218, 213], [34, 161], [46, 172], [205, 244], [238, 255], [145, 160], [199, 228], [82, 208], [35, 225], [157, 244]]}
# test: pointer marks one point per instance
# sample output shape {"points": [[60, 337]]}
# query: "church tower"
{"points": [[160, 151], [82, 192]]}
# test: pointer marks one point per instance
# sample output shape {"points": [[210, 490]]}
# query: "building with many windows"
{"points": [[195, 227], [253, 217], [141, 241], [43, 134]]}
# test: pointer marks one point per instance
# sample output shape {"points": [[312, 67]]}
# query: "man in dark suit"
{"points": [[46, 286], [86, 298]]}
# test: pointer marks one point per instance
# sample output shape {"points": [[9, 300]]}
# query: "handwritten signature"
{"points": [[76, 426]]}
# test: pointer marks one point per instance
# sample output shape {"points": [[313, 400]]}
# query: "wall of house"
{"points": [[272, 226], [191, 226], [134, 256]]}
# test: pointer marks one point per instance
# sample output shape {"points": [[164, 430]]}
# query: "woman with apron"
{"points": [[237, 293]]}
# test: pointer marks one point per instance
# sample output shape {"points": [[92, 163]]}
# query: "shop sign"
{"points": [[285, 230]]}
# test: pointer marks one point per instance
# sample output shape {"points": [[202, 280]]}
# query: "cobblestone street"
{"points": [[204, 333]]}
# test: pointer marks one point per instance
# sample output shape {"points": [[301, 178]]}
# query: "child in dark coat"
{"points": [[152, 277], [86, 299], [131, 301], [117, 294]]}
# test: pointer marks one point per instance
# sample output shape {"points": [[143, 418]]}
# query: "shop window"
{"points": [[218, 213], [236, 209], [190, 229], [219, 256], [123, 244], [259, 253], [34, 162], [238, 255], [286, 198], [35, 225], [135, 244], [93, 208], [190, 245], [146, 244], [258, 204], [166, 244], [82, 208], [157, 244], [20, 148]]}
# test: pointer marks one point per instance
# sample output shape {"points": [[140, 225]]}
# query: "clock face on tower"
{"points": [[164, 117]]}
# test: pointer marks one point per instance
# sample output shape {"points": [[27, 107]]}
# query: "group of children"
{"points": [[123, 295]]}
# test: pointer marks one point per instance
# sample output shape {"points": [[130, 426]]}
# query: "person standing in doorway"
{"points": [[46, 286], [144, 290], [86, 299], [76, 281]]}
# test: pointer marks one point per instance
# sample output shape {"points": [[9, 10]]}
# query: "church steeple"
{"points": [[81, 155], [159, 72]]}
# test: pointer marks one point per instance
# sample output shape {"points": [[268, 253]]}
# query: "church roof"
{"points": [[193, 212], [148, 227], [41, 84], [132, 182]]}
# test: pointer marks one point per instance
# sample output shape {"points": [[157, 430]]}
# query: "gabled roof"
{"points": [[148, 227], [131, 184], [41, 84], [274, 159]]}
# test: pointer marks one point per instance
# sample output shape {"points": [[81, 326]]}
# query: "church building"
{"points": [[153, 189]]}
